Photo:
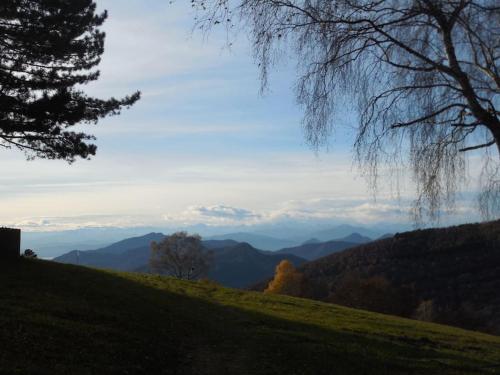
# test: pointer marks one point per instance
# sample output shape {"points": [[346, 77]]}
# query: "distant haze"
{"points": [[52, 244]]}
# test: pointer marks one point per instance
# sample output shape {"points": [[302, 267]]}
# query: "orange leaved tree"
{"points": [[287, 280]]}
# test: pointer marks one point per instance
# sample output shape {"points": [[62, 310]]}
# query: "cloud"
{"points": [[145, 43], [61, 223], [214, 215], [225, 212], [319, 211], [345, 209], [313, 210]]}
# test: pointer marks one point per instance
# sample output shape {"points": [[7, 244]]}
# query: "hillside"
{"points": [[355, 238], [106, 256], [342, 231], [236, 264], [258, 241], [315, 250], [242, 265], [127, 254], [131, 243], [448, 275], [64, 319], [50, 244]]}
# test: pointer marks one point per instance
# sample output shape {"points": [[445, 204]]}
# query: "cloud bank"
{"points": [[321, 211]]}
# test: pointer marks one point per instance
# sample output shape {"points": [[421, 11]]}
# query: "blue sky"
{"points": [[202, 146]]}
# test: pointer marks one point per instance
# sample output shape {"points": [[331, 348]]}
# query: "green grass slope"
{"points": [[64, 319]]}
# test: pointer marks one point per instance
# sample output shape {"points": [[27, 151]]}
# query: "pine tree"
{"points": [[47, 49]]}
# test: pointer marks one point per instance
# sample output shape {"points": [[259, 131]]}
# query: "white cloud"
{"points": [[322, 211], [60, 223], [214, 215], [349, 209], [313, 210], [224, 212]]}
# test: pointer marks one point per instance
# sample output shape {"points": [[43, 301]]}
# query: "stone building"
{"points": [[10, 243]]}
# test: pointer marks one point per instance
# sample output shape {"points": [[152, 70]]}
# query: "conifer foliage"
{"points": [[287, 280], [47, 49]]}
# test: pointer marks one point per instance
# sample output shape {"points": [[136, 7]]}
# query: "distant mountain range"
{"points": [[236, 264], [342, 232], [54, 243], [312, 251], [126, 255], [271, 236], [310, 241], [345, 233], [355, 238], [256, 240]]}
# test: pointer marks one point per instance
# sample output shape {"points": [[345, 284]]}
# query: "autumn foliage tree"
{"points": [[287, 280]]}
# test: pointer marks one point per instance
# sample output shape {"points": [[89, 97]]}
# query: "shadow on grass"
{"points": [[74, 320]]}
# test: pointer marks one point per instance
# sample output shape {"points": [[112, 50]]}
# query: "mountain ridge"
{"points": [[259, 241], [453, 272], [236, 264], [314, 251]]}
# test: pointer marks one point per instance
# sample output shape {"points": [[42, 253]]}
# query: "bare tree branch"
{"points": [[422, 76]]}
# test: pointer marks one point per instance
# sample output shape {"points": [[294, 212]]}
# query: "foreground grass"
{"points": [[60, 319]]}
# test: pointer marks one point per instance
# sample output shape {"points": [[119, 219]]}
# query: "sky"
{"points": [[202, 146]]}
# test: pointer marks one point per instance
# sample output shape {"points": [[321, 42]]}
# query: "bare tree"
{"points": [[181, 255], [423, 77]]}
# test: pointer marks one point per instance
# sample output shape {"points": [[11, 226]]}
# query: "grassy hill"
{"points": [[65, 319]]}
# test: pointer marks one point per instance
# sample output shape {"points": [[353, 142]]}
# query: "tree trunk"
{"points": [[496, 135]]}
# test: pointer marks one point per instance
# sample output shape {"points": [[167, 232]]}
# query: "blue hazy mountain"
{"points": [[236, 264], [344, 230], [310, 241], [242, 265], [257, 240], [266, 236], [127, 254], [355, 238], [54, 243], [312, 251]]}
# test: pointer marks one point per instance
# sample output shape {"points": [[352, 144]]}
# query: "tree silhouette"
{"points": [[48, 48], [28, 253], [181, 255], [423, 77]]}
